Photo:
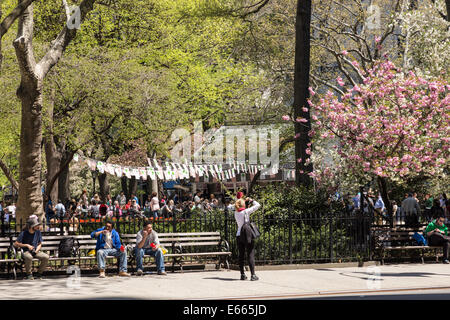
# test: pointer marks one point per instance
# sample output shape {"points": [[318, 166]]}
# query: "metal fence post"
{"points": [[174, 221], [290, 236], [331, 238], [226, 225]]}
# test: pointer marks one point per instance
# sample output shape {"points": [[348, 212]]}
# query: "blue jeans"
{"points": [[155, 214], [159, 257], [103, 253]]}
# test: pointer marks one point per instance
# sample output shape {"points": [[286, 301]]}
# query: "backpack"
{"points": [[420, 239], [68, 248]]}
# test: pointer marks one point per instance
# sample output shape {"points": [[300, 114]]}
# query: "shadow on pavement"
{"points": [[222, 279], [370, 275]]}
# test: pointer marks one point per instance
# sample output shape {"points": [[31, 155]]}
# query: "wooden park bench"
{"points": [[400, 239], [179, 245], [187, 248], [8, 258]]}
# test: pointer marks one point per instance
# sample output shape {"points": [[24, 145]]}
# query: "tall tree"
{"points": [[301, 92], [30, 94]]}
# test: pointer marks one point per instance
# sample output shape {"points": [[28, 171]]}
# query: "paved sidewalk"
{"points": [[226, 284]]}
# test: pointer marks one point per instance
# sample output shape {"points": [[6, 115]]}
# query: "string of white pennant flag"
{"points": [[170, 171]]}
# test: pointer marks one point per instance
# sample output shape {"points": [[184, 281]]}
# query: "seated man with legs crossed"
{"points": [[437, 234], [30, 240], [108, 244], [147, 243]]}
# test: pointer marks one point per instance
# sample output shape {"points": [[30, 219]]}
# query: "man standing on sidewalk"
{"points": [[147, 242], [30, 240], [108, 244], [437, 233]]}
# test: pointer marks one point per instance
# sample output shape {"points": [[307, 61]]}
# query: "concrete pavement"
{"points": [[220, 285]]}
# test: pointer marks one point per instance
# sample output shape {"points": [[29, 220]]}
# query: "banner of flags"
{"points": [[169, 171]]}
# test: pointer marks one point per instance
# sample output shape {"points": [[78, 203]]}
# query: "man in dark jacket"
{"points": [[411, 210]]}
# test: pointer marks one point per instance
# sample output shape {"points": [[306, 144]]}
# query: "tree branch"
{"points": [[9, 174], [11, 18], [24, 47], [61, 42]]}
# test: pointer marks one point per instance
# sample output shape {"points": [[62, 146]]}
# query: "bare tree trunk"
{"points": [[64, 179], [382, 184], [155, 185], [52, 155], [104, 186], [124, 183], [30, 94], [301, 92], [253, 183], [447, 5], [53, 159], [132, 186]]}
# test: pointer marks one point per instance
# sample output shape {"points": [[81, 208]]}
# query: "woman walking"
{"points": [[245, 240]]}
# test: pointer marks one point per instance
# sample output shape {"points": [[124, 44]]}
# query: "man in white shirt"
{"points": [[60, 210], [12, 210], [147, 242], [197, 198]]}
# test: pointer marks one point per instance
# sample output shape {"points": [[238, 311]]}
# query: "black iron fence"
{"points": [[295, 238]]}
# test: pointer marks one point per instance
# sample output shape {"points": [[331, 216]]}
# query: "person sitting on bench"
{"points": [[147, 242], [437, 234], [108, 244], [30, 240]]}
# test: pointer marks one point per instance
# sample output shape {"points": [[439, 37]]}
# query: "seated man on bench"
{"points": [[437, 234], [30, 240], [108, 244], [147, 242]]}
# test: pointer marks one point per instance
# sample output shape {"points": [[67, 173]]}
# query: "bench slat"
{"points": [[192, 244], [180, 234]]}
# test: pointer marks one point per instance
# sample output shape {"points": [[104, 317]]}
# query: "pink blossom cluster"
{"points": [[392, 125]]}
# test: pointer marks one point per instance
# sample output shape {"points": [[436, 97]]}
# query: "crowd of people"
{"points": [[122, 207], [410, 211]]}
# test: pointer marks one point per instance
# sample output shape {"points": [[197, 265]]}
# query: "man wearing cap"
{"points": [[30, 240]]}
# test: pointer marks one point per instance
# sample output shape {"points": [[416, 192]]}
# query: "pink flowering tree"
{"points": [[392, 127]]}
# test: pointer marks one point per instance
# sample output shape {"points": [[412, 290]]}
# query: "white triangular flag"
{"points": [[135, 173], [151, 173], [143, 173], [118, 171], [192, 171], [100, 167]]}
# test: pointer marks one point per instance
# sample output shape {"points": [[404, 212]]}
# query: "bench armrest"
{"points": [[224, 246]]}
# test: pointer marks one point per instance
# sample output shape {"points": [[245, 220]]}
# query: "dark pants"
{"points": [[412, 220], [428, 215], [437, 239], [250, 249]]}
